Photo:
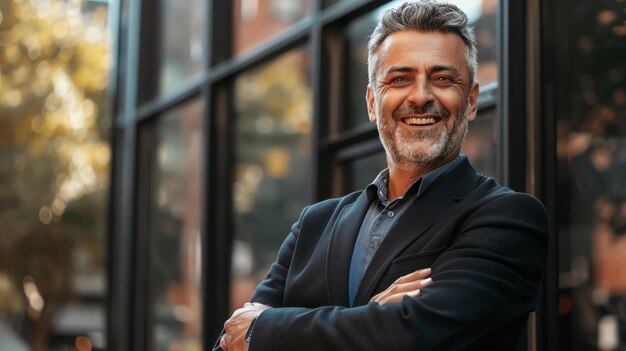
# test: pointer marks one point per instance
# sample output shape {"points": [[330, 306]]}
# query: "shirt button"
{"points": [[390, 214]]}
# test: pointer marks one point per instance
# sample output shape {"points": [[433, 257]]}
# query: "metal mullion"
{"points": [[207, 260], [206, 232], [529, 138], [318, 75], [511, 107], [220, 31], [172, 98], [208, 40], [216, 243], [265, 52], [145, 190], [347, 11], [349, 137], [121, 333], [208, 249], [150, 55], [502, 109], [115, 16], [354, 152], [545, 170], [512, 96], [219, 208], [537, 320]]}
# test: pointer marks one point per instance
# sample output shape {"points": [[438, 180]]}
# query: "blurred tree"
{"points": [[54, 156]]}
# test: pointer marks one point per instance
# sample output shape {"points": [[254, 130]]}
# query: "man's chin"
{"points": [[417, 157]]}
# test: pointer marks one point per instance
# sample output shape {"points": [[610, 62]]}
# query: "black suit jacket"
{"points": [[486, 246]]}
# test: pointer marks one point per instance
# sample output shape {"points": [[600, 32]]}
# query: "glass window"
{"points": [[365, 169], [356, 36], [174, 221], [481, 14], [591, 169], [272, 164], [257, 20], [480, 143], [183, 39], [54, 174]]}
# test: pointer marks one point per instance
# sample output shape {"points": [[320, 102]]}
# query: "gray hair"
{"points": [[422, 16]]}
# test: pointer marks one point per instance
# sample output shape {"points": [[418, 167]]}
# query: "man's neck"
{"points": [[401, 176]]}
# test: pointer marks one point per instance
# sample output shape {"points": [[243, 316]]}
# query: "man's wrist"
{"points": [[250, 330]]}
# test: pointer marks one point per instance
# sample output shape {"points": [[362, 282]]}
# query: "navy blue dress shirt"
{"points": [[382, 215]]}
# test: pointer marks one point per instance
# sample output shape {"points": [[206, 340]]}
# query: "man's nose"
{"points": [[421, 93]]}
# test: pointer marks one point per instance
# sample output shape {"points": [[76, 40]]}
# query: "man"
{"points": [[432, 255]]}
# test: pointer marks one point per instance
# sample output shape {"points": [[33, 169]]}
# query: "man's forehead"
{"points": [[412, 47], [423, 41]]}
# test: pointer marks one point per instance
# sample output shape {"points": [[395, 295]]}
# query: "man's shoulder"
{"points": [[337, 202], [324, 211], [492, 196], [495, 190]]}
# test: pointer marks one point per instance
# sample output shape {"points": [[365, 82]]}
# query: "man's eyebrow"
{"points": [[439, 68], [401, 69], [435, 68]]}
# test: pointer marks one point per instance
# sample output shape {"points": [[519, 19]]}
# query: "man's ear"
{"points": [[473, 102], [371, 105]]}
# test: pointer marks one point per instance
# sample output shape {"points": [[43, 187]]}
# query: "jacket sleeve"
{"points": [[487, 277]]}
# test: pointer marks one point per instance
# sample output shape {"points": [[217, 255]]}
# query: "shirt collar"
{"points": [[378, 188]]}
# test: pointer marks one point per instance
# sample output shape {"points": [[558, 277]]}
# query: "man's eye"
{"points": [[399, 79], [443, 79]]}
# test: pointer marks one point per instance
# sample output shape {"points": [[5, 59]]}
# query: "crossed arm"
{"points": [[485, 280], [236, 327]]}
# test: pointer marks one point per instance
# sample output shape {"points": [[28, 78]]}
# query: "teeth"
{"points": [[419, 121]]}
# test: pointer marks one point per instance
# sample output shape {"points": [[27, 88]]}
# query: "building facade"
{"points": [[231, 116]]}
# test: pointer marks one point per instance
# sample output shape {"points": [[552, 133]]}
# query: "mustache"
{"points": [[430, 108]]}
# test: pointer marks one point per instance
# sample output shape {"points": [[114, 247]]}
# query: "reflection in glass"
{"points": [[481, 14], [174, 272], [591, 174], [365, 169], [273, 166], [480, 143], [257, 20], [182, 41]]}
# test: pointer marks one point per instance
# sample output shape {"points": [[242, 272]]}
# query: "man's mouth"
{"points": [[421, 121]]}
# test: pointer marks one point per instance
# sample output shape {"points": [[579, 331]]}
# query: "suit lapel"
{"points": [[422, 214], [340, 249]]}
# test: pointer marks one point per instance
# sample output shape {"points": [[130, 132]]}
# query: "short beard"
{"points": [[416, 150]]}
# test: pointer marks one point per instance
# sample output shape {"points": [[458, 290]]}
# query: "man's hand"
{"points": [[237, 325], [409, 284]]}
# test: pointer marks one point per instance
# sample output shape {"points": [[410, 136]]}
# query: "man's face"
{"points": [[421, 99]]}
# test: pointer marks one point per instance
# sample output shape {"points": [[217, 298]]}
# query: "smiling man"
{"points": [[431, 255]]}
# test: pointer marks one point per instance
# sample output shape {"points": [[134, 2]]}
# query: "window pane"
{"points": [[365, 169], [54, 173], [257, 20], [182, 41], [480, 143], [591, 173], [481, 14], [357, 33], [273, 165], [175, 303]]}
